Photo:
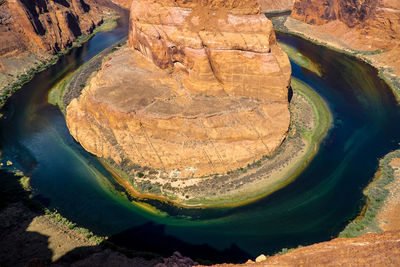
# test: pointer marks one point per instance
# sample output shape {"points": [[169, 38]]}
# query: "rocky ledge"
{"points": [[203, 89], [381, 249]]}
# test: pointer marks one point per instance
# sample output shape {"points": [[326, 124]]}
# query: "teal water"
{"points": [[315, 207]]}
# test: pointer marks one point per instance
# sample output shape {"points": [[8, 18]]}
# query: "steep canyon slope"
{"points": [[366, 28], [31, 31], [202, 89]]}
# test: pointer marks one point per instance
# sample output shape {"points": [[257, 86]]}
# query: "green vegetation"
{"points": [[9, 90], [16, 187], [300, 59], [376, 193], [323, 116], [25, 183], [55, 96], [56, 216], [392, 80]]}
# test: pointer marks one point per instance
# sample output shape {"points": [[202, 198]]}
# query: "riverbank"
{"points": [[25, 68], [311, 121], [383, 61], [383, 200]]}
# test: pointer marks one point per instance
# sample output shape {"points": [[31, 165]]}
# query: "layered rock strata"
{"points": [[45, 25], [374, 24], [31, 32], [370, 28], [202, 90]]}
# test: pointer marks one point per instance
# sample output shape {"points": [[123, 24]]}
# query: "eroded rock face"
{"points": [[378, 21], [45, 25], [202, 90], [225, 47]]}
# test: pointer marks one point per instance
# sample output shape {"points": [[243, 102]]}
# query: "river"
{"points": [[314, 208]]}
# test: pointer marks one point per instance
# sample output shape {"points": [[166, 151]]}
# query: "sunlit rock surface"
{"points": [[202, 89]]}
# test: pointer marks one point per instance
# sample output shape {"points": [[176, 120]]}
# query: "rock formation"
{"points": [[362, 24], [45, 25], [381, 249], [204, 92], [369, 29]]}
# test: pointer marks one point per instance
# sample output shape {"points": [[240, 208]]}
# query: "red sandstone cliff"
{"points": [[45, 25], [374, 24], [369, 29]]}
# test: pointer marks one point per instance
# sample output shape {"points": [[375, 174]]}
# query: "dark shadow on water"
{"points": [[152, 237], [20, 247]]}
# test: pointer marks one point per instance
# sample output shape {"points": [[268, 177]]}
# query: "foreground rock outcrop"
{"points": [[381, 249], [204, 92]]}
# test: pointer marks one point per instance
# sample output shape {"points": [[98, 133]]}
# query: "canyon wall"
{"points": [[373, 24], [45, 25], [369, 29], [203, 89]]}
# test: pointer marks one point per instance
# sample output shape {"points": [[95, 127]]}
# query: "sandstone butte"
{"points": [[266, 5], [202, 89], [361, 25]]}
